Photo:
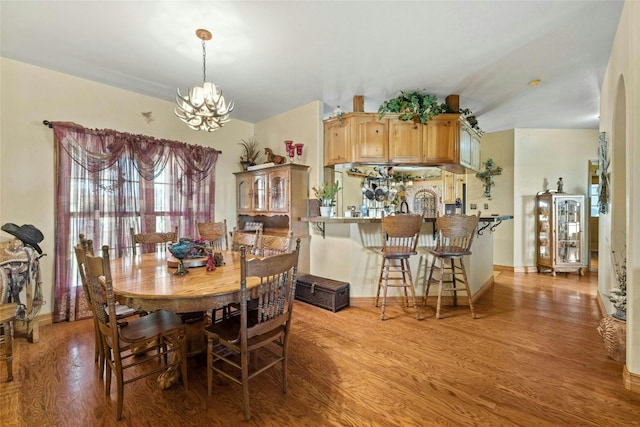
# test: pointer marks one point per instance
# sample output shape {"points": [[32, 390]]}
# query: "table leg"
{"points": [[194, 324], [195, 342]]}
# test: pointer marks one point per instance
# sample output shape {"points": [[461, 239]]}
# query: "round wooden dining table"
{"points": [[147, 282]]}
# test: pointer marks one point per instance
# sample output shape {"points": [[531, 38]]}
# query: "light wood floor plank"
{"points": [[533, 357]]}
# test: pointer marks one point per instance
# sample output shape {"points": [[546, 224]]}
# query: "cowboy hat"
{"points": [[29, 234]]}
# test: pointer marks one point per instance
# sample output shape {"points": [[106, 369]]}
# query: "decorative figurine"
{"points": [[211, 265], [560, 185], [218, 259], [274, 158]]}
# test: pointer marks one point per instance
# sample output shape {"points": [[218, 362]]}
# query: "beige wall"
{"points": [[498, 146], [619, 118], [541, 156], [300, 125], [31, 94], [532, 161]]}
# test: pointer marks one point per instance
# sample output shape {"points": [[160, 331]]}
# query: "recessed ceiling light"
{"points": [[534, 83]]}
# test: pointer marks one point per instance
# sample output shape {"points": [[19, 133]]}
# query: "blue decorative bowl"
{"points": [[180, 251]]}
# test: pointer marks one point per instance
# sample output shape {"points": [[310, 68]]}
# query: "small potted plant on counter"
{"points": [[326, 196]]}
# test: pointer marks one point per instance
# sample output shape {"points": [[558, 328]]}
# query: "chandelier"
{"points": [[203, 107]]}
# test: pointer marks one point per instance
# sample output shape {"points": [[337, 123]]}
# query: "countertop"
{"points": [[349, 220]]}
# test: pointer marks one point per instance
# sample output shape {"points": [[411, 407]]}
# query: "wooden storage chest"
{"points": [[322, 292]]}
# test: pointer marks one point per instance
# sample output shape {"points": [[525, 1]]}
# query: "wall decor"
{"points": [[603, 166], [490, 170]]}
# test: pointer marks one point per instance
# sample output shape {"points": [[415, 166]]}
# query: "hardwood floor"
{"points": [[532, 358]]}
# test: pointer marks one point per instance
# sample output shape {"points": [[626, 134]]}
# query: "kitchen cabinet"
{"points": [[452, 187], [406, 142], [276, 197], [469, 147], [337, 141], [446, 141], [560, 234], [442, 140], [370, 138]]}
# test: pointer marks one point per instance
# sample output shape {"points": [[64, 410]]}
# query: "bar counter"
{"points": [[347, 249]]}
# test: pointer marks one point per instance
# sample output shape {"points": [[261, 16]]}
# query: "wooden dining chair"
{"points": [[273, 245], [399, 240], [162, 331], [454, 237], [249, 239], [85, 246], [267, 328], [215, 233], [152, 238]]}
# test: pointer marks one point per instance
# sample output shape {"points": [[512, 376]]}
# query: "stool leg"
{"points": [[384, 260], [404, 266], [454, 282], [440, 288], [386, 264], [411, 289], [429, 279], [466, 285]]}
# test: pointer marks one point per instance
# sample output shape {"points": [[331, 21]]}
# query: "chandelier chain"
{"points": [[204, 62]]}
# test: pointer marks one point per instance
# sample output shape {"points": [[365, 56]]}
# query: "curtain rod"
{"points": [[50, 126]]}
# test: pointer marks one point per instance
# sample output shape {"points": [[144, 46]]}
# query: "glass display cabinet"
{"points": [[560, 233], [275, 196]]}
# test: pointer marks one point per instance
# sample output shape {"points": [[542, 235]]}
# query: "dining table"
{"points": [[147, 282]]}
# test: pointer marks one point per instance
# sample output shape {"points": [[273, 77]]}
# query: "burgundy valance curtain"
{"points": [[99, 149], [109, 182]]}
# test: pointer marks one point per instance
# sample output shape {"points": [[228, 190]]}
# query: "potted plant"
{"points": [[250, 152], [417, 106], [326, 196]]}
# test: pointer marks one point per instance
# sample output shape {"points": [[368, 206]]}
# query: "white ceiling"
{"points": [[270, 57]]}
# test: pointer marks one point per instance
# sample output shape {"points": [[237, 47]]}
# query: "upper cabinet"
{"points": [[469, 147], [370, 138], [337, 141], [442, 140], [405, 142], [445, 141]]}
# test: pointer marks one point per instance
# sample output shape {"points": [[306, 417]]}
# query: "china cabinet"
{"points": [[560, 233], [276, 197]]}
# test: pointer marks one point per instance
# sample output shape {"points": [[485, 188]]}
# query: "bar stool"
{"points": [[399, 240], [454, 238]]}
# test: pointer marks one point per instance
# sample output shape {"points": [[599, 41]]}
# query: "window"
{"points": [[108, 182]]}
